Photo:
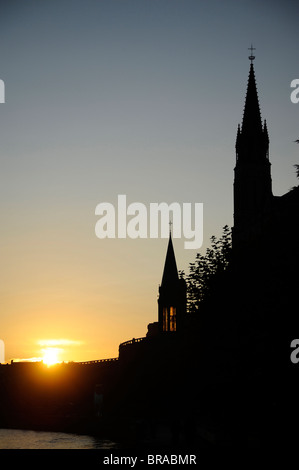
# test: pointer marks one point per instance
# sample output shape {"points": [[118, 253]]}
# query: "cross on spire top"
{"points": [[170, 224], [251, 57]]}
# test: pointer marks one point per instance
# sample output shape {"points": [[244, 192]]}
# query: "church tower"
{"points": [[172, 295], [252, 183]]}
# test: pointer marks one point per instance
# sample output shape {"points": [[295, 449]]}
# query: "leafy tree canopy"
{"points": [[207, 269]]}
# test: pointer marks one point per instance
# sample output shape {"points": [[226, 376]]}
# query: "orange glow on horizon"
{"points": [[50, 356]]}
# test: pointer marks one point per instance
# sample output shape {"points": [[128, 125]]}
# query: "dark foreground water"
{"points": [[23, 439]]}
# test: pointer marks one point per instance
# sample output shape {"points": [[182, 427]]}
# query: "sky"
{"points": [[123, 97]]}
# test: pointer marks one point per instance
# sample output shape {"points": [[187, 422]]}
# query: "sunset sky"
{"points": [[133, 97]]}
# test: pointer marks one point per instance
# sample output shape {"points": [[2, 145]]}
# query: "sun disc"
{"points": [[50, 356]]}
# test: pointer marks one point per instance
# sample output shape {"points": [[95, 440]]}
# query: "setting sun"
{"points": [[50, 356]]}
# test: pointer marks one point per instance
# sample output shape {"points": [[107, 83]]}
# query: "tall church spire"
{"points": [[252, 184], [252, 138], [252, 123]]}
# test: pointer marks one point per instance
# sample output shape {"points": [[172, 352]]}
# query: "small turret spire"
{"points": [[170, 273], [172, 295]]}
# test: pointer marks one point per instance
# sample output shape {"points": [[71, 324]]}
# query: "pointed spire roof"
{"points": [[170, 273], [252, 122], [252, 143]]}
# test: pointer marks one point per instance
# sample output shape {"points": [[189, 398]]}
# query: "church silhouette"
{"points": [[228, 367], [221, 377]]}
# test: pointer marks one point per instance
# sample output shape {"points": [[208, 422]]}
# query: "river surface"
{"points": [[23, 439]]}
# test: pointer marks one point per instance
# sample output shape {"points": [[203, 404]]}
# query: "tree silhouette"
{"points": [[207, 269]]}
